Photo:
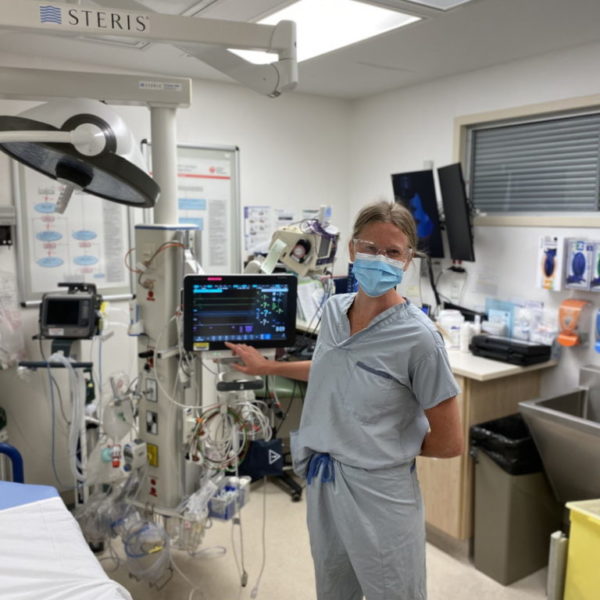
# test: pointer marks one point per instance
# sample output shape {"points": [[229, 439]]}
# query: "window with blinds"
{"points": [[543, 166]]}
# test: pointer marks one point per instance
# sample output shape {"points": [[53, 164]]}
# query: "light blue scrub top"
{"points": [[367, 393]]}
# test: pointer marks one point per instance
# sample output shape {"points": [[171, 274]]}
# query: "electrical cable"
{"points": [[240, 564], [77, 393], [194, 587], [210, 553], [254, 591], [432, 282], [297, 387], [54, 382], [112, 555], [127, 265], [53, 436], [463, 288], [327, 292], [155, 351], [453, 269], [148, 262]]}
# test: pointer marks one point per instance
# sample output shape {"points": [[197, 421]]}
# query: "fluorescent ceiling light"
{"points": [[440, 4], [326, 25]]}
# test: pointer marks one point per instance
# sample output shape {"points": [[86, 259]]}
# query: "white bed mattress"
{"points": [[42, 551]]}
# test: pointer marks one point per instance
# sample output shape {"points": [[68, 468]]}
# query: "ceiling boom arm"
{"points": [[197, 36]]}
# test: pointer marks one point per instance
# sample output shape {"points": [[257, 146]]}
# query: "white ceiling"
{"points": [[476, 35]]}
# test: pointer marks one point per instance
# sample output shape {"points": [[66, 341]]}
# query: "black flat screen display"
{"points": [[258, 310], [457, 212], [416, 190]]}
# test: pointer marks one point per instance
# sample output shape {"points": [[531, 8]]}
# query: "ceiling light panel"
{"points": [[440, 4], [326, 25]]}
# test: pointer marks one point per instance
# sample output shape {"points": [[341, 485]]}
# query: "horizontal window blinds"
{"points": [[543, 166]]}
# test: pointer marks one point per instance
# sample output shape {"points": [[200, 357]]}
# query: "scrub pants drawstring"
{"points": [[316, 462]]}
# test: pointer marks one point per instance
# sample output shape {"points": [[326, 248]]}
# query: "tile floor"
{"points": [[288, 574]]}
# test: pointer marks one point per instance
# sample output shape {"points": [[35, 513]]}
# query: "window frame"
{"points": [[463, 127]]}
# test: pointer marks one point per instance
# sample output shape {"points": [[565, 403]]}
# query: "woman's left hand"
{"points": [[254, 363]]}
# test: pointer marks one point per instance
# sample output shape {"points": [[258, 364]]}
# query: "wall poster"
{"points": [[208, 195], [87, 243]]}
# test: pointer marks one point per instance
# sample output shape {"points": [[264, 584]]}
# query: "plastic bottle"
{"points": [[477, 325], [450, 322], [466, 333]]}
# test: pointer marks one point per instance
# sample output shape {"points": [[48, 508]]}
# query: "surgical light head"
{"points": [[83, 144], [310, 247]]}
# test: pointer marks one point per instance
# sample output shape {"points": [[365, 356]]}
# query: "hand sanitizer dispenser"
{"points": [[571, 318]]}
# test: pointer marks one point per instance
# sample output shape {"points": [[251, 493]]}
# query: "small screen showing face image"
{"points": [[416, 190]]}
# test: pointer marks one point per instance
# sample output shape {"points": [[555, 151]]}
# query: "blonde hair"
{"points": [[383, 211]]}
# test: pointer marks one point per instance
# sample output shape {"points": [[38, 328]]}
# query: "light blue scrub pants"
{"points": [[367, 534]]}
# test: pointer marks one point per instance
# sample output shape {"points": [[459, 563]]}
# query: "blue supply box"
{"points": [[550, 263], [579, 266], [595, 268], [232, 494]]}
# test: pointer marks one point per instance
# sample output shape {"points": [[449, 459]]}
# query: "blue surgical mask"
{"points": [[377, 274]]}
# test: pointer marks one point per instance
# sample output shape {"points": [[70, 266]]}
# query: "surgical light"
{"points": [[85, 145]]}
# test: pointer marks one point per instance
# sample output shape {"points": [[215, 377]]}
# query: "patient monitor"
{"points": [[259, 310], [73, 314]]}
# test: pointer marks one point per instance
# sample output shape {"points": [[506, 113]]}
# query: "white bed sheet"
{"points": [[43, 554]]}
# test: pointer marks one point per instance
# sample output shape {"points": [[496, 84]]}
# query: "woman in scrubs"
{"points": [[380, 392]]}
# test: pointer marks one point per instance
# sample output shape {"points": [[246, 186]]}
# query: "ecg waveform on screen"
{"points": [[239, 312]]}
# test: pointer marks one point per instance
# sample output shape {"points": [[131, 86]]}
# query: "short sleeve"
{"points": [[431, 378]]}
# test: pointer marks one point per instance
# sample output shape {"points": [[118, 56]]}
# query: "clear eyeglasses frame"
{"points": [[394, 253]]}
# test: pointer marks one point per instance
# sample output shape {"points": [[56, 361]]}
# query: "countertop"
{"points": [[474, 367], [485, 369]]}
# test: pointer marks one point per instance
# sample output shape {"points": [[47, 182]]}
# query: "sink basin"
{"points": [[566, 431]]}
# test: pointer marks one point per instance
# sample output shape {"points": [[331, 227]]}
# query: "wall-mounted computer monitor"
{"points": [[258, 310], [416, 190], [457, 212]]}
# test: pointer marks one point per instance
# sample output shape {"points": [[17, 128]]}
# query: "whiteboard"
{"points": [[87, 243], [208, 195]]}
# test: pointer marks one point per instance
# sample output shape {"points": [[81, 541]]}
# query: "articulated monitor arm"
{"points": [[270, 80]]}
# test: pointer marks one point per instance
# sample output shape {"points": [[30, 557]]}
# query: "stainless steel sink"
{"points": [[566, 431]]}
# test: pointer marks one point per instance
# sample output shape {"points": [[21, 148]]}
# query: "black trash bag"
{"points": [[508, 443]]}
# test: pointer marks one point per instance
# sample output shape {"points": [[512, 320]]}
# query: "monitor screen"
{"points": [[457, 212], [416, 191], [71, 316], [258, 310], [63, 311]]}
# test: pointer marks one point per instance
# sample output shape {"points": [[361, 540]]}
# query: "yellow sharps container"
{"points": [[583, 556]]}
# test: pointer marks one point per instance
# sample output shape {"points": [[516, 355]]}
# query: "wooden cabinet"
{"points": [[447, 484]]}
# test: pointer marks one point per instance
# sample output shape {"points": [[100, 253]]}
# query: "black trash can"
{"points": [[515, 510]]}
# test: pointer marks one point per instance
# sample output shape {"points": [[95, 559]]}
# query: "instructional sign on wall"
{"points": [[87, 243], [258, 228], [208, 196], [259, 224]]}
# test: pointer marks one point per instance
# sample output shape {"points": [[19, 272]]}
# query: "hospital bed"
{"points": [[42, 551]]}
